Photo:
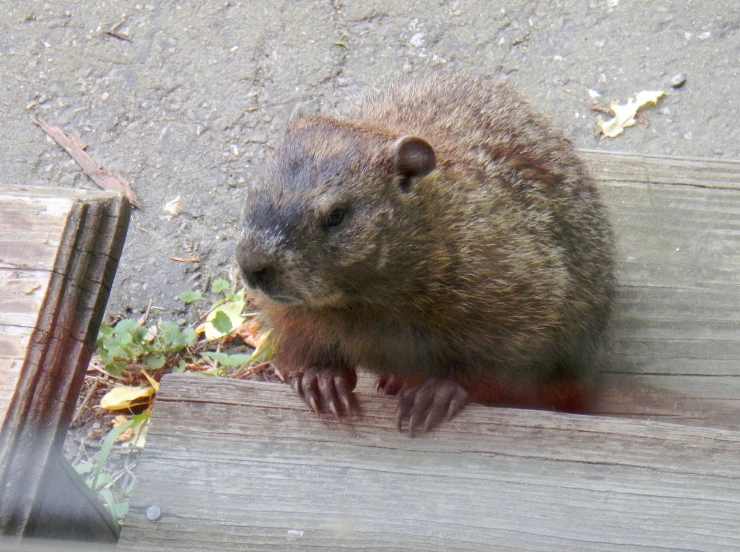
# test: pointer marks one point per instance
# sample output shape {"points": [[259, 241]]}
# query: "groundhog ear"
{"points": [[413, 156]]}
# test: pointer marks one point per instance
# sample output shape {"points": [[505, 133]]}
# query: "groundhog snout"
{"points": [[257, 269], [259, 277]]}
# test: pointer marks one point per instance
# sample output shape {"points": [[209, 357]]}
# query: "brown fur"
{"points": [[494, 270]]}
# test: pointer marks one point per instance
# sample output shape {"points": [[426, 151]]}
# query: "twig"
{"points": [[118, 36], [92, 390], [142, 229], [98, 173], [145, 316], [245, 372], [102, 371], [180, 260]]}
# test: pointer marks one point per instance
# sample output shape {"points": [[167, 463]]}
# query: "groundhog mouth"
{"points": [[284, 299], [314, 302]]}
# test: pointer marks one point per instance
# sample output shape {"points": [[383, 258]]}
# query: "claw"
{"points": [[327, 389], [400, 417], [427, 405], [343, 390], [313, 404], [333, 408], [413, 422], [458, 402]]}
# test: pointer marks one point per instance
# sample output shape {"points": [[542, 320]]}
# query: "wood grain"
{"points": [[677, 327], [59, 250], [246, 466]]}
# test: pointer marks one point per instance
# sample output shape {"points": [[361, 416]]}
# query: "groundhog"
{"points": [[440, 234]]}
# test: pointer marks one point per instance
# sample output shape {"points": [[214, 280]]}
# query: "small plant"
{"points": [[104, 485], [129, 343], [131, 351]]}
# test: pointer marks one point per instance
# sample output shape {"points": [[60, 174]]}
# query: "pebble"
{"points": [[678, 80], [153, 512]]}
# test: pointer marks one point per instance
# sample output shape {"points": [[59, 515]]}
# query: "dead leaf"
{"points": [[249, 331], [641, 119], [624, 115], [125, 436], [98, 173], [265, 347], [95, 434], [154, 383], [120, 398]]}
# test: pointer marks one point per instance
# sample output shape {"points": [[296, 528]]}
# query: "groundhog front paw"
{"points": [[428, 404], [327, 389]]}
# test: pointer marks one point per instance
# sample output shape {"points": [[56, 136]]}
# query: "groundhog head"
{"points": [[324, 223]]}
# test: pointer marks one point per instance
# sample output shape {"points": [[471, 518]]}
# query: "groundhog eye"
{"points": [[335, 218]]}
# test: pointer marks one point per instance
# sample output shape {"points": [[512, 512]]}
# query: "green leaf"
{"points": [[188, 335], [218, 357], [114, 349], [237, 360], [125, 326], [190, 296], [107, 496], [83, 468], [222, 322], [180, 368], [103, 480], [172, 336], [105, 333], [116, 368], [120, 509], [110, 439], [138, 334], [219, 285], [155, 361]]}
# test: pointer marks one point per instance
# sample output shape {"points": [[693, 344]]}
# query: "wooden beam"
{"points": [[677, 326], [245, 466], [59, 249]]}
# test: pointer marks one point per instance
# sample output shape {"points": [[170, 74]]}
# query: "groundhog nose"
{"points": [[256, 269], [258, 276]]}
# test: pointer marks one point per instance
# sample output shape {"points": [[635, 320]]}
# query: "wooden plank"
{"points": [[662, 169], [677, 327], [47, 333], [245, 466], [22, 293], [32, 228]]}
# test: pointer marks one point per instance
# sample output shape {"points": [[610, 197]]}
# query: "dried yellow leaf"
{"points": [[152, 381], [624, 115], [126, 397], [265, 347]]}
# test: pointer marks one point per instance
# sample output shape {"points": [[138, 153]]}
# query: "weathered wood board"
{"points": [[677, 326], [59, 249], [245, 466]]}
